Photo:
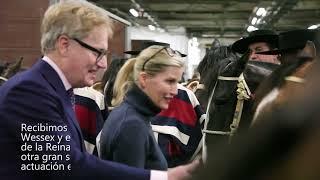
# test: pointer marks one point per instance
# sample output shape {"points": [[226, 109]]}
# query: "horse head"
{"points": [[230, 100], [229, 70], [209, 69]]}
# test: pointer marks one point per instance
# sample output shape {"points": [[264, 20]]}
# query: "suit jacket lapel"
{"points": [[55, 82]]}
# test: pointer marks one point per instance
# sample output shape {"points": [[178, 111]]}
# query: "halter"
{"points": [[244, 93]]}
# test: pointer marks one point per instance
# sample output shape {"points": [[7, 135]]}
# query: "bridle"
{"points": [[243, 93]]}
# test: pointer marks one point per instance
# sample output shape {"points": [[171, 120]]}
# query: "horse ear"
{"points": [[309, 51], [13, 68], [215, 44]]}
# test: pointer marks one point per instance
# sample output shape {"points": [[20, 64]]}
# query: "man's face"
{"points": [[260, 47], [83, 65]]}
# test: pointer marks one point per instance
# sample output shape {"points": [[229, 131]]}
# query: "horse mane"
{"points": [[211, 65]]}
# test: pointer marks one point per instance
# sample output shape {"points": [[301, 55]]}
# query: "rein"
{"points": [[244, 93]]}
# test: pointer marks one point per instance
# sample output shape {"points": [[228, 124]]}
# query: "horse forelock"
{"points": [[213, 57]]}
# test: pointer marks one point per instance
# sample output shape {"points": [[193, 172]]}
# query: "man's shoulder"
{"points": [[26, 79], [27, 86]]}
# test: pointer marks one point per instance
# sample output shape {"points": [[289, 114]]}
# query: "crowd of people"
{"points": [[140, 122]]}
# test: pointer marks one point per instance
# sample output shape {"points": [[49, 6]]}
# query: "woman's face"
{"points": [[162, 87]]}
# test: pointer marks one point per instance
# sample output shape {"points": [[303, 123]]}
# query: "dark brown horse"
{"points": [[285, 143], [228, 96]]}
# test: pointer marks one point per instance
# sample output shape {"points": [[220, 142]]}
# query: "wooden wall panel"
{"points": [[20, 29], [20, 32]]}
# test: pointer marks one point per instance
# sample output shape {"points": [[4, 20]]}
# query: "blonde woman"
{"points": [[144, 86]]}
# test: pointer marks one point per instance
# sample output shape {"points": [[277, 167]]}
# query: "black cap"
{"points": [[292, 40], [146, 44], [261, 35]]}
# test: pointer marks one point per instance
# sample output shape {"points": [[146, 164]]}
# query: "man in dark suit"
{"points": [[39, 132]]}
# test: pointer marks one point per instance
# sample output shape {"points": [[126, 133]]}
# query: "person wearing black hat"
{"points": [[290, 45], [291, 42], [258, 41]]}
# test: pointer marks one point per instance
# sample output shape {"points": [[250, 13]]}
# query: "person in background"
{"points": [[178, 129], [144, 85], [109, 78], [91, 112], [258, 41], [291, 45], [39, 103], [92, 105]]}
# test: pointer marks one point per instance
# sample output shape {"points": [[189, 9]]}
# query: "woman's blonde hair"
{"points": [[152, 60], [73, 18]]}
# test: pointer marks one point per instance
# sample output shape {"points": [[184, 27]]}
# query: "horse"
{"points": [[286, 81], [10, 69], [284, 144], [229, 92]]}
